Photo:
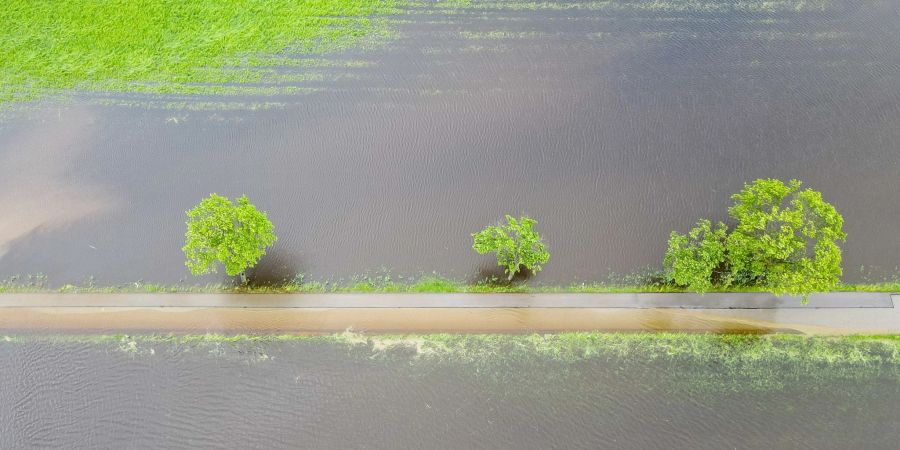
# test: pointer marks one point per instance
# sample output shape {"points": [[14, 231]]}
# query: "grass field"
{"points": [[168, 46]]}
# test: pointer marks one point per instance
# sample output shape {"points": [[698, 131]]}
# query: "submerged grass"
{"points": [[681, 6], [689, 362], [168, 46], [727, 349], [230, 47]]}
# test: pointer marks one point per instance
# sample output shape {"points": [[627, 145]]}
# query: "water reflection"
{"points": [[40, 187]]}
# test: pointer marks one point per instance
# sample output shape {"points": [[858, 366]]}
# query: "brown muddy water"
{"points": [[612, 123], [130, 393]]}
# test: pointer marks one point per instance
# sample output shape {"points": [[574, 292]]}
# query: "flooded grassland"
{"points": [[450, 391], [379, 135], [612, 123]]}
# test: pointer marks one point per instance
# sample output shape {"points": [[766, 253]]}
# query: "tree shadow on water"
{"points": [[275, 269], [494, 275]]}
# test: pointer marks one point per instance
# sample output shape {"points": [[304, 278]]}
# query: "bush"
{"points": [[218, 231], [516, 245], [785, 241], [696, 259]]}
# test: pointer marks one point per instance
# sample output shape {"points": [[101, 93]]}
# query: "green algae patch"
{"points": [[169, 46]]}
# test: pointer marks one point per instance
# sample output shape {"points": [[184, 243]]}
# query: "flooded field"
{"points": [[612, 123], [491, 391]]}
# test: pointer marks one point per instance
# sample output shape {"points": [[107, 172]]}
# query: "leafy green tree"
{"points": [[219, 231], [516, 245], [785, 240], [697, 258]]}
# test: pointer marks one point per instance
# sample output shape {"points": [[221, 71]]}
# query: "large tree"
{"points": [[785, 240]]}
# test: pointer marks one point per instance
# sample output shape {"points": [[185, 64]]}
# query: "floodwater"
{"points": [[612, 123], [132, 394]]}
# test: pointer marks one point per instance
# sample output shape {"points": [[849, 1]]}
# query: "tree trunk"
{"points": [[513, 273]]}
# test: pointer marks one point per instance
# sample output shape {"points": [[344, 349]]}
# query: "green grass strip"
{"points": [[389, 284], [428, 285]]}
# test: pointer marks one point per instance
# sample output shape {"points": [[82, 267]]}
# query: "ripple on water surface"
{"points": [[469, 392]]}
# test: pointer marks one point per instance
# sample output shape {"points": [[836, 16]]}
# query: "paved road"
{"points": [[563, 300], [837, 313]]}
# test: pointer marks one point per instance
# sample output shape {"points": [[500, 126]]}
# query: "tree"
{"points": [[785, 240], [219, 231], [516, 245], [696, 259]]}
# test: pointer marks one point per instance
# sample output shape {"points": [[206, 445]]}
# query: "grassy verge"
{"points": [[169, 46], [386, 284]]}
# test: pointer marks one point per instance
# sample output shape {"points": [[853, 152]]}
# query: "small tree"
{"points": [[696, 259], [219, 231], [516, 245], [785, 241]]}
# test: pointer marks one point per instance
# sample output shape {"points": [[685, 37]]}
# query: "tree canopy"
{"points": [[235, 235], [785, 240], [516, 243]]}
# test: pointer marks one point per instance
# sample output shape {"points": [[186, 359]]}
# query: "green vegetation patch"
{"points": [[785, 240], [725, 350], [234, 235], [390, 284], [167, 46], [700, 363]]}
